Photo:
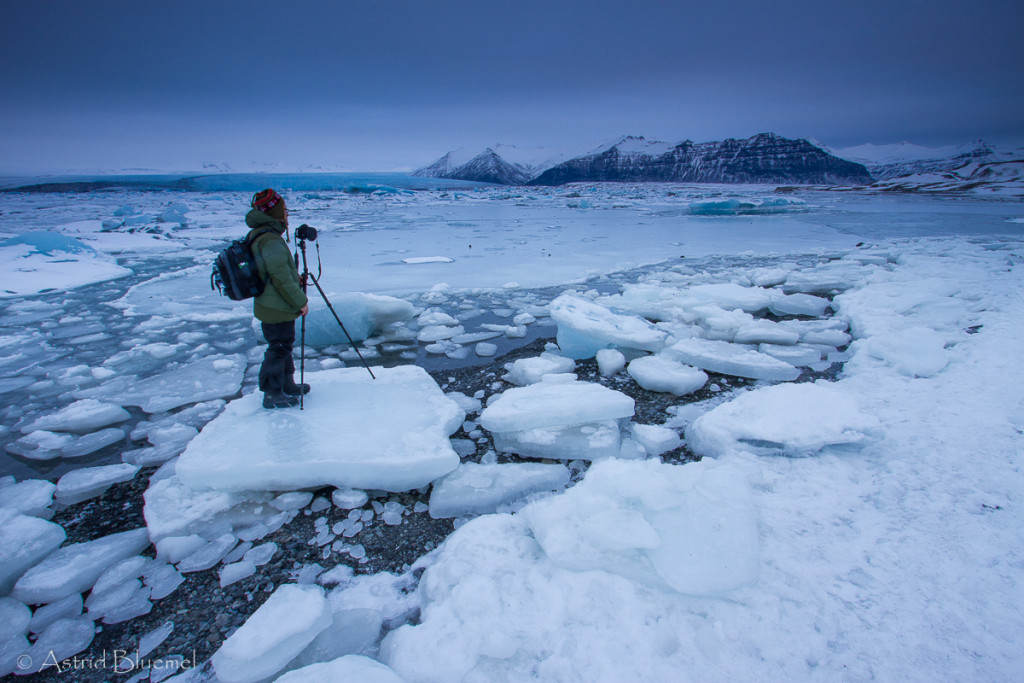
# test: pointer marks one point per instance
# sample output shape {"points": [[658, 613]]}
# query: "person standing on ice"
{"points": [[282, 301]]}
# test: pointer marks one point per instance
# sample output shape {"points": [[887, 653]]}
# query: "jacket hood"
{"points": [[257, 219]]}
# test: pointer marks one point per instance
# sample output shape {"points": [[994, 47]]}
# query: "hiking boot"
{"points": [[293, 389], [279, 400]]}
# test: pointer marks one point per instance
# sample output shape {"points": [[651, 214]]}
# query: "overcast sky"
{"points": [[394, 84]]}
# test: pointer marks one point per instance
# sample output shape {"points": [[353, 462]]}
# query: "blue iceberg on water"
{"points": [[46, 243], [732, 206]]}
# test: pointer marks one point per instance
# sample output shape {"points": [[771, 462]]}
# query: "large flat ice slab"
{"points": [[555, 404], [795, 420], [388, 433]]}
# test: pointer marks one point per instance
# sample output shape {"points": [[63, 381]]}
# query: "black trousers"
{"points": [[278, 367]]}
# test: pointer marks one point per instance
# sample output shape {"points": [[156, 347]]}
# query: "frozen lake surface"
{"points": [[864, 527]]}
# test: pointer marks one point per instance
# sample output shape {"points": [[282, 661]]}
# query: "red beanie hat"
{"points": [[269, 202]]}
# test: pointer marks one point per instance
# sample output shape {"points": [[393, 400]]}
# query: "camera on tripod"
{"points": [[305, 232]]}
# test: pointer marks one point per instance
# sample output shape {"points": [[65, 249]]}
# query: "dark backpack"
{"points": [[235, 273]]}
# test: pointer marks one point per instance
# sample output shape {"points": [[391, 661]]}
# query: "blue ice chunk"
{"points": [[361, 314], [323, 330], [732, 206], [45, 242], [174, 213], [719, 207]]}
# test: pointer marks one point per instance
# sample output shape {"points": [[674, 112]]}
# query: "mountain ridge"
{"points": [[762, 158]]}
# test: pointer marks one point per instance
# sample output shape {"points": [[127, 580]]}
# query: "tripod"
{"points": [[303, 233]]}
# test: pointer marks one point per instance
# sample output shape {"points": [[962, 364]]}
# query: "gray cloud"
{"points": [[378, 85]]}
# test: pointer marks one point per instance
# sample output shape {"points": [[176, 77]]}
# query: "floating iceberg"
{"points": [[86, 415], [362, 314], [795, 420], [387, 433], [47, 243], [182, 295], [208, 378], [741, 207]]}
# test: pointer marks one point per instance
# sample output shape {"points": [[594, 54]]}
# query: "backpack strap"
{"points": [[249, 243]]}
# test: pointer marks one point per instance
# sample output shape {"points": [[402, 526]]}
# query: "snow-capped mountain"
{"points": [[904, 158], [501, 164], [486, 167], [980, 178], [977, 167], [763, 158]]}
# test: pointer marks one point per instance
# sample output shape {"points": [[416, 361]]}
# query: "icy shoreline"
{"points": [[844, 483]]}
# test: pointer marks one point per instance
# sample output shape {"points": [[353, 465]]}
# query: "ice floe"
{"points": [[584, 328], [345, 436], [796, 420], [276, 632], [481, 489], [24, 542], [74, 568]]}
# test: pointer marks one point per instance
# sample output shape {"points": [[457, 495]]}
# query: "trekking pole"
{"points": [[306, 274], [302, 345], [302, 354]]}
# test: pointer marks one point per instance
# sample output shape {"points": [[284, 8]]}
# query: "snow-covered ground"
{"points": [[861, 528]]}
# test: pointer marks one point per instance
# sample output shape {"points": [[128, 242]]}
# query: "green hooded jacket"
{"points": [[283, 299]]}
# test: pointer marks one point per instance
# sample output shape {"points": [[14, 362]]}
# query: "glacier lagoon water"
{"points": [[480, 254]]}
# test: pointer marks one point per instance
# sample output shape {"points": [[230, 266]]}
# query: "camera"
{"points": [[305, 232]]}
